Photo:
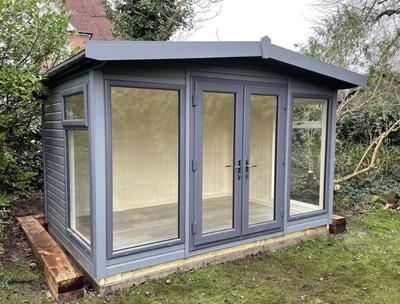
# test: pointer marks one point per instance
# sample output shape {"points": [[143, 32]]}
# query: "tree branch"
{"points": [[378, 142]]}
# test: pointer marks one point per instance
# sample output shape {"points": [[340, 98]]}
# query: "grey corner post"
{"points": [[286, 196], [331, 160], [98, 157], [188, 108]]}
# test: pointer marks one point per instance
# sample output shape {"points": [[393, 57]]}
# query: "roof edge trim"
{"points": [[170, 50], [308, 63], [159, 50]]}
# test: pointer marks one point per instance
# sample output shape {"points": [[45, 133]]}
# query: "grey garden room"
{"points": [[166, 156]]}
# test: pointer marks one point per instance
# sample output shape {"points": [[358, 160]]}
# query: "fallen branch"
{"points": [[378, 143]]}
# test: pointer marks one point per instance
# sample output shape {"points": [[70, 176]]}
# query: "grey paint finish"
{"points": [[308, 63], [182, 165], [164, 50], [308, 91], [181, 74], [98, 155], [55, 176], [156, 50], [280, 91], [143, 50]]}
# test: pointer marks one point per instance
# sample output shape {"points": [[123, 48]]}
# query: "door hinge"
{"points": [[194, 228], [195, 165], [283, 159], [194, 100]]}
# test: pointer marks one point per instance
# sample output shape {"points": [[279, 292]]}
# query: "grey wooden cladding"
{"points": [[55, 166], [54, 158], [54, 150], [57, 198], [54, 162], [56, 214], [54, 133], [56, 175], [55, 107], [53, 116], [59, 142], [52, 125]]}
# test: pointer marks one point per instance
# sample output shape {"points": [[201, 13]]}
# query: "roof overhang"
{"points": [[177, 50]]}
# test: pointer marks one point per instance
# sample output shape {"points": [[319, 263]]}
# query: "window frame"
{"points": [[71, 125], [75, 122], [328, 99], [109, 83]]}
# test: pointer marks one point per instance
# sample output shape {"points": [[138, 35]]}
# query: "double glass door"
{"points": [[238, 178]]}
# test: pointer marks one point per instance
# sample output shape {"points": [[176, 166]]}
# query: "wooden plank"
{"points": [[338, 224], [63, 278]]}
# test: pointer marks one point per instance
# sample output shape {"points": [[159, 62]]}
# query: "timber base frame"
{"points": [[63, 278], [112, 283]]}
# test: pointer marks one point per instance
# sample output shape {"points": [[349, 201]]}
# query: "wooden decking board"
{"points": [[63, 278]]}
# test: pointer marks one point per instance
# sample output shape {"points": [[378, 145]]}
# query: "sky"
{"points": [[286, 22]]}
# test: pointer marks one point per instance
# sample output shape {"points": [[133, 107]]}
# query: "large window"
{"points": [[218, 140], [308, 155], [145, 166], [261, 170], [78, 164], [79, 187]]}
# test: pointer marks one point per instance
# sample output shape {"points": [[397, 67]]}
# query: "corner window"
{"points": [[309, 124], [77, 138], [79, 185], [74, 106]]}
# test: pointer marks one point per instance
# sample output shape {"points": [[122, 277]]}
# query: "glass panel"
{"points": [[262, 156], [218, 132], [308, 155], [74, 106], [79, 183], [145, 142]]}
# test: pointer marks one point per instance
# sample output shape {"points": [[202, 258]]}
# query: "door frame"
{"points": [[243, 89], [280, 91], [218, 86]]}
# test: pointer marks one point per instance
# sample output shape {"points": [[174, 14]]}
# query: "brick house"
{"points": [[89, 20]]}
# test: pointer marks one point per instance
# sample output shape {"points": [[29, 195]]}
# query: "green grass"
{"points": [[18, 283], [360, 266]]}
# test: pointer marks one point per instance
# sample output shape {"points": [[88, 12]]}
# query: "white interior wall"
{"points": [[262, 148], [144, 147], [218, 132]]}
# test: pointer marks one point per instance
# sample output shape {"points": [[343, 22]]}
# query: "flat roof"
{"points": [[169, 50]]}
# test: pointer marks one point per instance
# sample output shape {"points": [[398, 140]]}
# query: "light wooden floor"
{"points": [[141, 226]]}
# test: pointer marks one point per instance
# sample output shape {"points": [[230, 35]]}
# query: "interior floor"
{"points": [[134, 227]]}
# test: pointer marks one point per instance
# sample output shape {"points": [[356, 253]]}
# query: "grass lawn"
{"points": [[361, 266]]}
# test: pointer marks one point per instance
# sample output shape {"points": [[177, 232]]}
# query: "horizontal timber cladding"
{"points": [[55, 171], [53, 154]]}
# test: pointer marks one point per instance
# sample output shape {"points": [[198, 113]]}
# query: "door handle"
{"points": [[247, 168], [238, 167]]}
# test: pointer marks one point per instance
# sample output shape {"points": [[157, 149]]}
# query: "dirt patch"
{"points": [[20, 274], [34, 205]]}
